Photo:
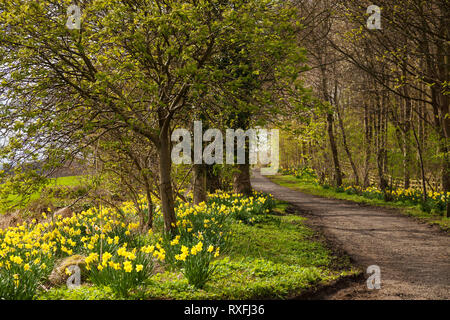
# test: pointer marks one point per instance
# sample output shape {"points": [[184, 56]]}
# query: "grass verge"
{"points": [[309, 186]]}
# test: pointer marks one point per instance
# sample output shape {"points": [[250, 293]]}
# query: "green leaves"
{"points": [[133, 66]]}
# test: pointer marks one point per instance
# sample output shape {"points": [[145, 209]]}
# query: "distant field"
{"points": [[68, 181], [63, 181]]}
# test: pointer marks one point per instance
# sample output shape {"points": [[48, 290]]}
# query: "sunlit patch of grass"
{"points": [[68, 181], [16, 199]]}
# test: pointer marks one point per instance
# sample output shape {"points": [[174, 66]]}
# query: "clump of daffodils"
{"points": [[116, 254], [196, 263], [415, 196]]}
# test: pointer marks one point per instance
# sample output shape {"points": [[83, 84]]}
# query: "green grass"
{"points": [[308, 185], [277, 257], [85, 292], [283, 240], [68, 181], [15, 200]]}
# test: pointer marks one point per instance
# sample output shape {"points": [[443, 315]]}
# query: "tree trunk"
{"points": [[213, 182], [443, 127], [166, 190], [199, 183], [368, 142], [347, 150], [444, 74], [334, 152], [422, 167], [241, 179], [407, 142], [330, 121], [445, 148], [241, 172], [380, 146]]}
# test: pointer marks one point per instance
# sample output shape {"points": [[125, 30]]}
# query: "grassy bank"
{"points": [[274, 257], [308, 185]]}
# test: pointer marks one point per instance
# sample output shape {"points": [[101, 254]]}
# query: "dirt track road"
{"points": [[414, 258]]}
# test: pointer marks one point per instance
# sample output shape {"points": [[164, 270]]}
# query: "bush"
{"points": [[426, 206], [299, 173], [340, 190]]}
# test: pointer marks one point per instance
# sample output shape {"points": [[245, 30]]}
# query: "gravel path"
{"points": [[414, 258]]}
